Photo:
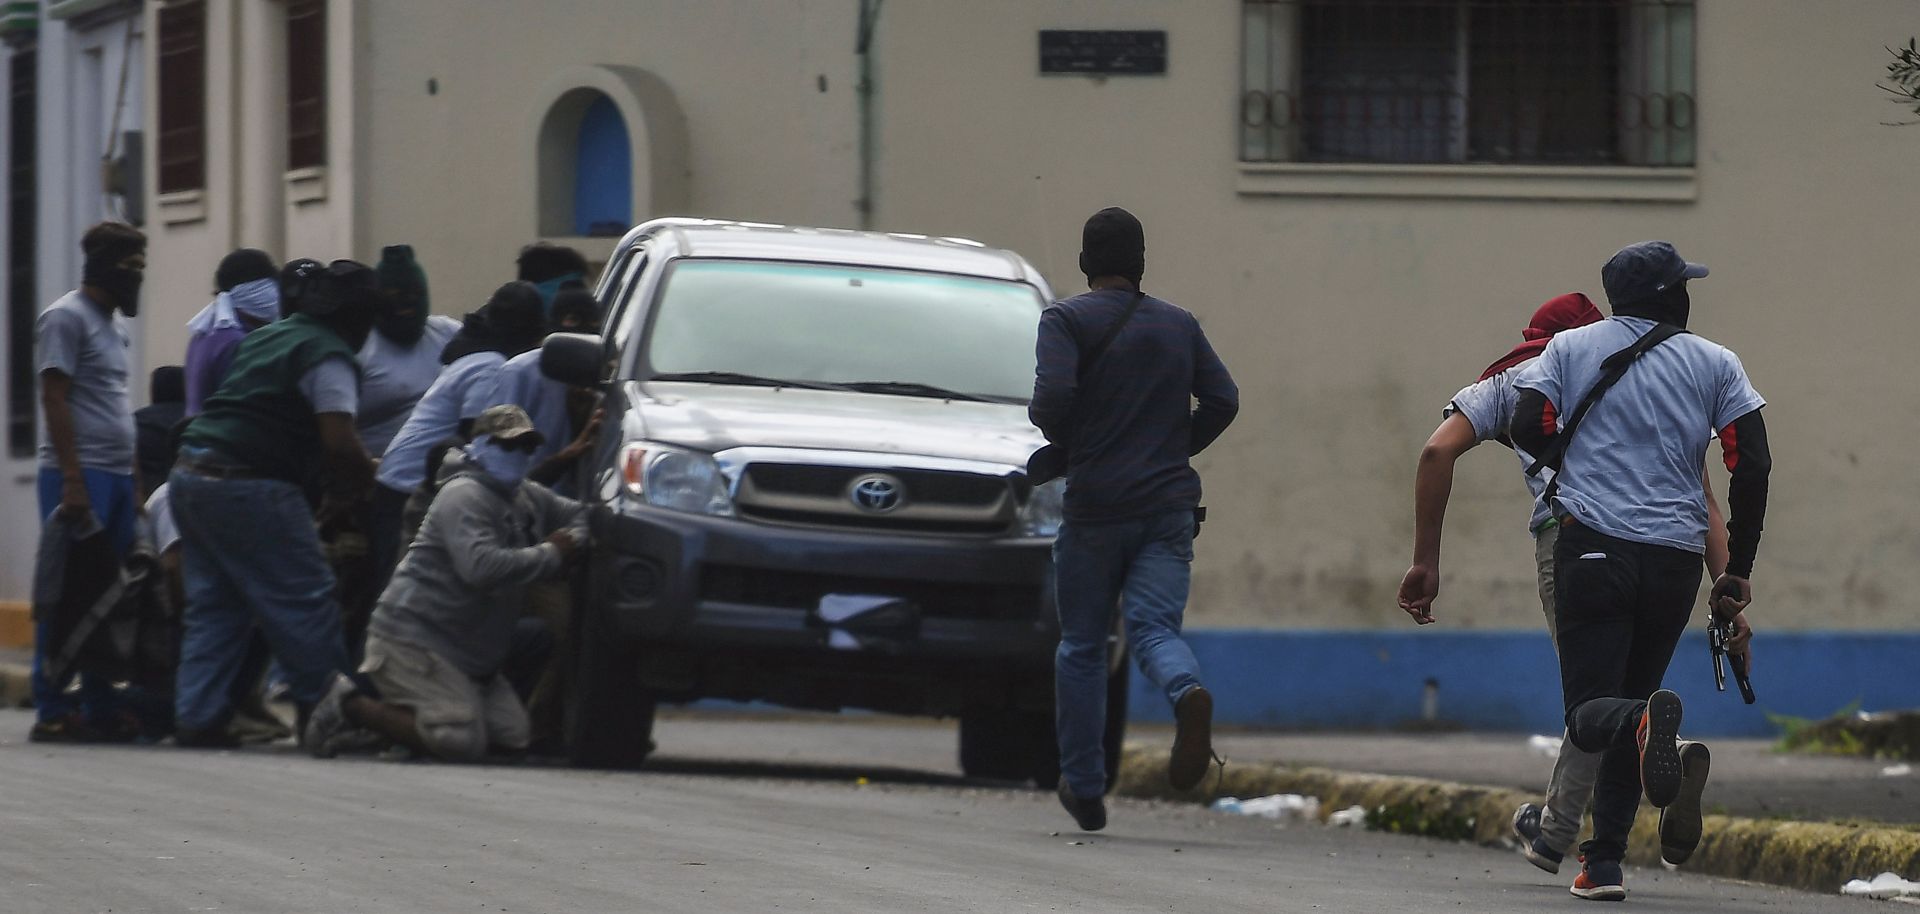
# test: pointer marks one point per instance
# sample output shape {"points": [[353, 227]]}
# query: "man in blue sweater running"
{"points": [[1118, 373]]}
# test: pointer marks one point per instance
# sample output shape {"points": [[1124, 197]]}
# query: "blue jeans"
{"points": [[115, 504], [250, 554], [1144, 565]]}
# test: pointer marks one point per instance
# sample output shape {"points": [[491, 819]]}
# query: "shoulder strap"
{"points": [[1092, 356], [1612, 369]]}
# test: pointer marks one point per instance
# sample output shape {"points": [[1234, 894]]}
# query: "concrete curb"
{"points": [[1814, 856]]}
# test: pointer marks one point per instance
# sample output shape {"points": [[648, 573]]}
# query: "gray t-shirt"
{"points": [[393, 378], [333, 386], [1633, 470], [89, 345], [1489, 406]]}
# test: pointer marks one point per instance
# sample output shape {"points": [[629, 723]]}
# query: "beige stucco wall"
{"points": [[1348, 320]]}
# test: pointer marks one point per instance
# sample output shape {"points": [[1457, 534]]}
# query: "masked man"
{"points": [[87, 445], [248, 298]]}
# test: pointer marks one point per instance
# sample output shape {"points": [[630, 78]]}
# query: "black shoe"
{"points": [[211, 738], [1192, 739], [1533, 845], [1660, 771], [67, 728], [1089, 813], [1680, 825]]}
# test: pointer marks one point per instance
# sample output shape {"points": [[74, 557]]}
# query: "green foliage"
{"points": [[1414, 819], [1903, 79], [1825, 736]]}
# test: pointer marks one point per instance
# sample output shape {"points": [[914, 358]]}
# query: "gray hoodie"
{"points": [[463, 581]]}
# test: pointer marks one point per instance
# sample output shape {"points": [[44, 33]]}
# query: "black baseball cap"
{"points": [[1641, 271]]}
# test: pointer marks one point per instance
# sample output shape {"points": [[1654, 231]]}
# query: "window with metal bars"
{"points": [[1519, 82], [23, 204], [306, 83], [181, 53]]}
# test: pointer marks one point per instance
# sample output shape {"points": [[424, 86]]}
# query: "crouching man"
{"points": [[444, 628]]}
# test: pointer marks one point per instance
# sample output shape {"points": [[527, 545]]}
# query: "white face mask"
{"points": [[507, 467]]}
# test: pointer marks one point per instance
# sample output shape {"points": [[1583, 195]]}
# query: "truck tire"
{"points": [[1015, 745], [609, 716]]}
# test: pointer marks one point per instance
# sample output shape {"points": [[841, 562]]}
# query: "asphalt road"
{"points": [[737, 816]]}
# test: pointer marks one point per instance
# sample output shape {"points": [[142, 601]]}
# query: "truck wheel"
{"points": [[1006, 745], [609, 716]]}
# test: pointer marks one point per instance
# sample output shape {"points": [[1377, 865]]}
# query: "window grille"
{"points": [[306, 83], [1539, 82], [181, 51], [23, 200]]}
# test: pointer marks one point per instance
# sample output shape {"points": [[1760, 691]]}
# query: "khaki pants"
{"points": [[1574, 771], [458, 717]]}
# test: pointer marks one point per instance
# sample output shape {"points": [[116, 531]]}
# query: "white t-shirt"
{"points": [[1633, 469], [393, 378], [1489, 406]]}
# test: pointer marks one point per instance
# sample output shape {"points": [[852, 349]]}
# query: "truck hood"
{"points": [[716, 417]]}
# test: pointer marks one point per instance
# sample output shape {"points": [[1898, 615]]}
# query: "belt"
{"points": [[217, 471]]}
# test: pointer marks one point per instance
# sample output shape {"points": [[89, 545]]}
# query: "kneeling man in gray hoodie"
{"points": [[442, 630]]}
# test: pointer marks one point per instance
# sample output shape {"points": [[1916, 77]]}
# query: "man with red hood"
{"points": [[1482, 411]]}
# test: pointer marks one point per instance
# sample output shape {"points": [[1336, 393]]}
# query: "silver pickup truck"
{"points": [[810, 492]]}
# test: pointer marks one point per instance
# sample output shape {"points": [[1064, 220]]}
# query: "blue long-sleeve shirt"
{"points": [[1130, 425]]}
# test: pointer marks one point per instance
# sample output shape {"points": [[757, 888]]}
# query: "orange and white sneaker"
{"points": [[1600, 880], [1661, 771]]}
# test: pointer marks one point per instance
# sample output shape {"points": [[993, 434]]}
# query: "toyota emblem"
{"points": [[876, 494]]}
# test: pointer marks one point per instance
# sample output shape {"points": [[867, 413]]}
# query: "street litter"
{"points": [[1285, 807], [1350, 817], [1896, 771], [1885, 885], [1548, 746]]}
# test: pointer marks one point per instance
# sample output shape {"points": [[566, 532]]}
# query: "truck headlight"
{"points": [[675, 479], [1042, 513]]}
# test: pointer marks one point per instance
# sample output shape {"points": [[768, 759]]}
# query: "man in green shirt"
{"points": [[284, 414]]}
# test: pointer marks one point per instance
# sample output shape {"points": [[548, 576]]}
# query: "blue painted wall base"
{"points": [[1510, 680]]}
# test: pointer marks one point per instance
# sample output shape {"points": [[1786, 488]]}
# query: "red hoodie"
{"points": [[1562, 312]]}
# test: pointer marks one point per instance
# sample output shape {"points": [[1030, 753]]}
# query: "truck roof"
{"points": [[715, 238]]}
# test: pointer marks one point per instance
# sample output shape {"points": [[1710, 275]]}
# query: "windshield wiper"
{"points": [[917, 389], [735, 377]]}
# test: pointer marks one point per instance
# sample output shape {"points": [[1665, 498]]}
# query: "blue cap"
{"points": [[1644, 270]]}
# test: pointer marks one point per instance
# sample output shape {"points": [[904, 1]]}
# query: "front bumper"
{"points": [[703, 584]]}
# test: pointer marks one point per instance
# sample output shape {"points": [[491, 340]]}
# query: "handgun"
{"points": [[1719, 632]]}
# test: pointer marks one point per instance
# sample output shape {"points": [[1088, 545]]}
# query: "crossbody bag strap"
{"points": [[1612, 369], [1092, 356]]}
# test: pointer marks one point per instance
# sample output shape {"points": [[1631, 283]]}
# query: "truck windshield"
{"points": [[821, 325]]}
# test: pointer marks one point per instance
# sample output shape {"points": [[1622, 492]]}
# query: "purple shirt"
{"points": [[208, 358]]}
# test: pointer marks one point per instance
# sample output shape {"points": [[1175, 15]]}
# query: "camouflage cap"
{"points": [[506, 422]]}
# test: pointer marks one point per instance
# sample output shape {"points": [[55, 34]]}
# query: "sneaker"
{"points": [[1192, 739], [67, 728], [1090, 813], [1526, 827], [254, 722], [1600, 880], [327, 718], [1658, 735], [1680, 822]]}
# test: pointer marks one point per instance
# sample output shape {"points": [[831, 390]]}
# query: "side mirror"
{"points": [[573, 359]]}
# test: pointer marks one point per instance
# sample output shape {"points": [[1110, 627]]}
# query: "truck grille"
{"points": [[929, 501], [801, 590]]}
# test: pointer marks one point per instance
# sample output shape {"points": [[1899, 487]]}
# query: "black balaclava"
{"points": [[511, 322], [1113, 244], [403, 296], [575, 311], [243, 265], [296, 280], [1671, 306], [550, 266], [107, 248], [168, 384], [343, 297]]}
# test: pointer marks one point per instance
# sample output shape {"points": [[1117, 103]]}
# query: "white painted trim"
{"points": [[307, 185], [1469, 182], [180, 207]]}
